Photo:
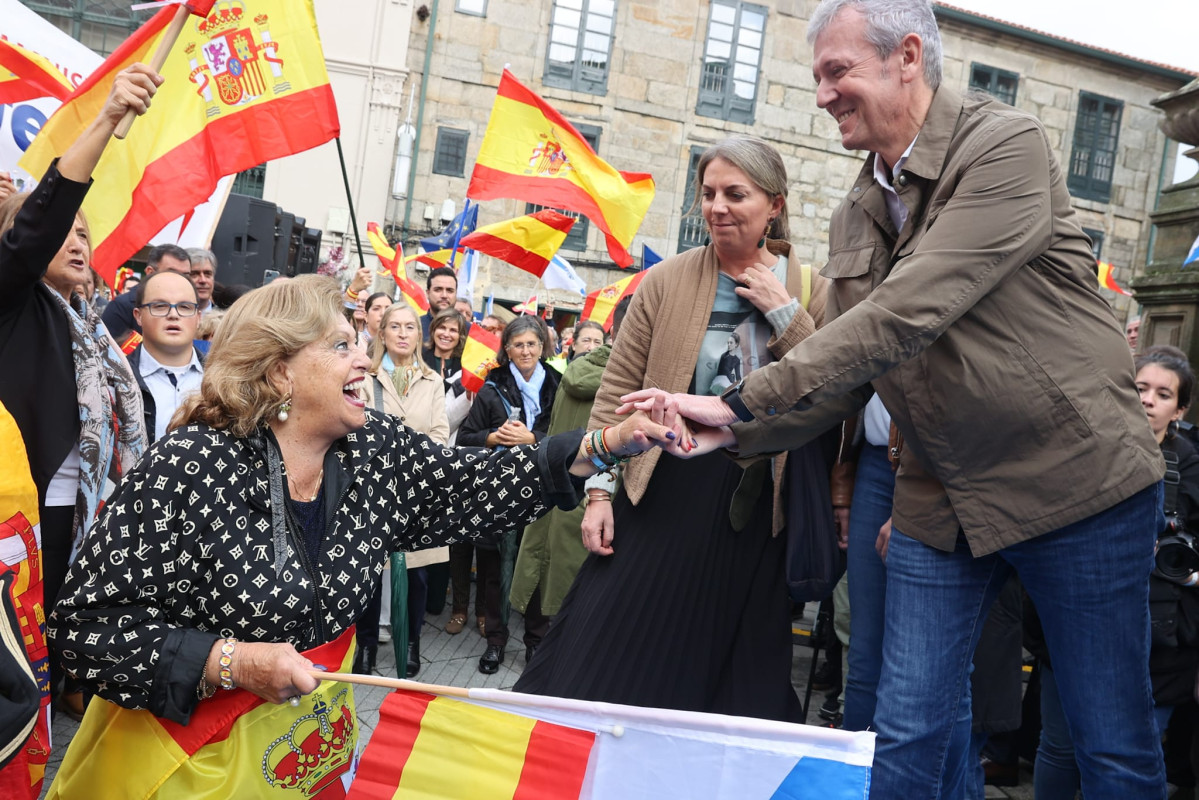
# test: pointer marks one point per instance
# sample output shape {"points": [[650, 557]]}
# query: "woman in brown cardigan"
{"points": [[683, 603]]}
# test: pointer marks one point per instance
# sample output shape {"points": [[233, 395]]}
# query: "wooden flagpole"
{"points": [[390, 683]]}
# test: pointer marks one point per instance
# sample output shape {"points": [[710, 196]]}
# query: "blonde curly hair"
{"points": [[263, 328]]}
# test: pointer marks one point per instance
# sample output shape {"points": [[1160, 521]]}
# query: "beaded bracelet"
{"points": [[612, 458], [226, 664]]}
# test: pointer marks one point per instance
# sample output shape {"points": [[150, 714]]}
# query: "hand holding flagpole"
{"points": [[200, 8]]}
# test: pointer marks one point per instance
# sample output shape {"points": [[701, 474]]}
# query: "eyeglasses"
{"points": [[524, 346], [161, 309]]}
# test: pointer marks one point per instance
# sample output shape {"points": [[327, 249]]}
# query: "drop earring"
{"points": [[762, 241], [284, 408]]}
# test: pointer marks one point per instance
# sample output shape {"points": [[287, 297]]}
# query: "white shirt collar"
{"points": [[148, 364], [881, 175]]}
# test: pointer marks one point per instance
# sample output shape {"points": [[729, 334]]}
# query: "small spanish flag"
{"points": [[393, 262], [1107, 279], [26, 75], [527, 242], [530, 152], [601, 303], [479, 356], [416, 751], [435, 258]]}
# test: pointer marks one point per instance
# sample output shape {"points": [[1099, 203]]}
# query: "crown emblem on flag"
{"points": [[261, 19], [548, 158], [225, 16], [315, 751]]}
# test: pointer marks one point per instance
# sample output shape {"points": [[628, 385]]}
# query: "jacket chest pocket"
{"points": [[851, 273]]}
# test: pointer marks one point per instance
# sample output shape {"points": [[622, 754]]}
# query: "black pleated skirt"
{"points": [[687, 614]]}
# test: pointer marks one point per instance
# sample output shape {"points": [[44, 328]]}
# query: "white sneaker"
{"points": [[384, 633]]}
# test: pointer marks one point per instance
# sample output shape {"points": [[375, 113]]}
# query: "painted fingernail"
{"points": [[670, 435], [695, 442]]}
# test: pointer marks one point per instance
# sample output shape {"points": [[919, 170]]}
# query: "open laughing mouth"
{"points": [[352, 391]]}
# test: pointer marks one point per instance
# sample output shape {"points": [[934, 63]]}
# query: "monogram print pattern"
{"points": [[186, 542]]}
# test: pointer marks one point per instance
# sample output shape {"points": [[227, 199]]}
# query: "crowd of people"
{"points": [[949, 400]]}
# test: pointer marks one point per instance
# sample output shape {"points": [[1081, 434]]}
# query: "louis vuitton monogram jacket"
{"points": [[183, 554]]}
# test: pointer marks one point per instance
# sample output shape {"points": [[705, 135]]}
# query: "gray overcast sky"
{"points": [[1157, 30]]}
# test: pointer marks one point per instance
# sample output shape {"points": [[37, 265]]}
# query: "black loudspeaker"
{"points": [[310, 250], [244, 242], [284, 249]]}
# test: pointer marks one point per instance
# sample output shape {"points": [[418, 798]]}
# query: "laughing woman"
{"points": [[258, 529]]}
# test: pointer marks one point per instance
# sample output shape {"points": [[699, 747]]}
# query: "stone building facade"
{"points": [[653, 82]]}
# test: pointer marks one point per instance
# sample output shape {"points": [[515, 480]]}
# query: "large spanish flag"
{"points": [[478, 357], [234, 745], [244, 85], [527, 242], [393, 262], [601, 304], [530, 152], [418, 750], [25, 75]]}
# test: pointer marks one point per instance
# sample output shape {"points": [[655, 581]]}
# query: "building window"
{"points": [[692, 232], [728, 85], [449, 155], [998, 83], [1096, 241], [476, 8], [100, 24], [580, 45], [251, 181], [1096, 135], [576, 240]]}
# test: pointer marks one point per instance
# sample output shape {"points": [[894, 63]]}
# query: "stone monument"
{"points": [[1168, 293]]}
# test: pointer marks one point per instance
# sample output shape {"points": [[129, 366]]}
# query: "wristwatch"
{"points": [[732, 398]]}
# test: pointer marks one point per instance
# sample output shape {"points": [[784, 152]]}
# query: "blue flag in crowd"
{"points": [[1193, 256], [560, 274], [462, 224], [648, 257]]}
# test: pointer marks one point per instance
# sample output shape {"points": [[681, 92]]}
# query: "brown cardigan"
{"points": [[660, 339]]}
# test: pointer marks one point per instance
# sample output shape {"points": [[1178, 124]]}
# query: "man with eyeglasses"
{"points": [[118, 316], [167, 364]]}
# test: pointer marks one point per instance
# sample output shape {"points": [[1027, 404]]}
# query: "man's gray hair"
{"points": [[197, 254], [887, 22]]}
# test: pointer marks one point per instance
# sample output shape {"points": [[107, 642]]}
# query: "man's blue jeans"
{"points": [[873, 493], [1090, 584]]}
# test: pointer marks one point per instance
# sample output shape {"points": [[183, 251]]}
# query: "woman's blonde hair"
{"points": [[379, 348], [259, 331], [761, 163]]}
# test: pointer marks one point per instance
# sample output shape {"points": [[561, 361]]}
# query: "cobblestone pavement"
{"points": [[454, 661]]}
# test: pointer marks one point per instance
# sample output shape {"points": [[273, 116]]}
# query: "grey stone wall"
{"points": [[649, 123]]}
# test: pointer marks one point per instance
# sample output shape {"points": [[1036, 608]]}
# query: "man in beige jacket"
{"points": [[964, 293]]}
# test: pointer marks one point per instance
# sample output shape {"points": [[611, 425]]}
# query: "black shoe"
{"points": [[829, 710], [364, 660], [530, 651], [490, 662], [828, 675], [413, 659]]}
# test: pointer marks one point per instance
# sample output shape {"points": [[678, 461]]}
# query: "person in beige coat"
{"points": [[683, 602], [401, 384]]}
